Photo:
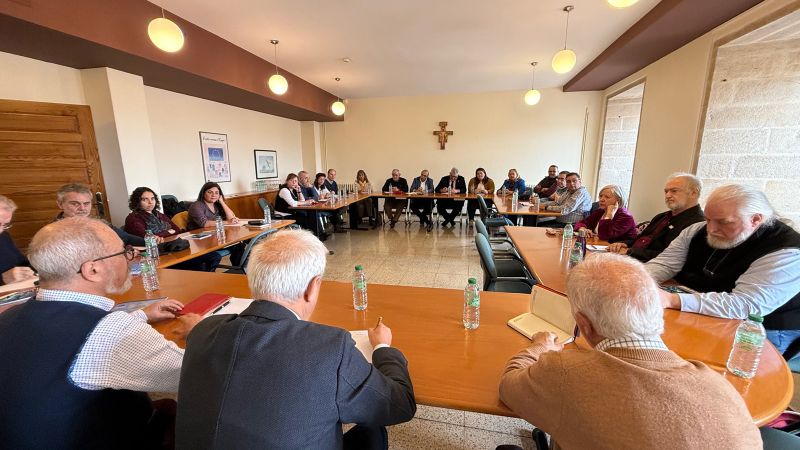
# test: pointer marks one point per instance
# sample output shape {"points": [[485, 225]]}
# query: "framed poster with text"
{"points": [[216, 163], [266, 164]]}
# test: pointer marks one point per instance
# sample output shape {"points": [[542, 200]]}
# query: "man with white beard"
{"points": [[742, 260]]}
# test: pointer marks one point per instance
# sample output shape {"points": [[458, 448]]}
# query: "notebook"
{"points": [[549, 311], [204, 304]]}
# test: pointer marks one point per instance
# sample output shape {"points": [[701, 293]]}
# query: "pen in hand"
{"points": [[380, 320]]}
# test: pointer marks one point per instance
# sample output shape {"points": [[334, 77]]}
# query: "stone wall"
{"points": [[752, 127], [619, 140]]}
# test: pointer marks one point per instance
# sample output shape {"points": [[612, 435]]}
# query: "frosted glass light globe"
{"points": [[622, 3], [165, 34], [564, 61], [338, 107], [278, 84], [533, 96]]}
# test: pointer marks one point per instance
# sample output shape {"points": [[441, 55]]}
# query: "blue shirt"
{"points": [[519, 185]]}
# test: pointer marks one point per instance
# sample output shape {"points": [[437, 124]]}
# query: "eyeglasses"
{"points": [[6, 226], [128, 251]]}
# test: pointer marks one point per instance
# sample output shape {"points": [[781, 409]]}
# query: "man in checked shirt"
{"points": [[75, 373]]}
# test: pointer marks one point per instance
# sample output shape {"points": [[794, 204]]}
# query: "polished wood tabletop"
{"points": [[503, 205], [341, 202], [233, 234], [692, 336]]}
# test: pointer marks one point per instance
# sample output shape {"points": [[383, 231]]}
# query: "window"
{"points": [[620, 133]]}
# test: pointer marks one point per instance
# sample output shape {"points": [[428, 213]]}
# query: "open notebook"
{"points": [[549, 311]]}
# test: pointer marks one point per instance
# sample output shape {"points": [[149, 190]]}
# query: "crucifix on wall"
{"points": [[442, 133]]}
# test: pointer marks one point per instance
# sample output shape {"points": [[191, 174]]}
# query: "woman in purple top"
{"points": [[210, 204], [611, 221]]}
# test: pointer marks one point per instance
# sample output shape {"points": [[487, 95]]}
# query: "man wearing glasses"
{"points": [[13, 265], [76, 373]]}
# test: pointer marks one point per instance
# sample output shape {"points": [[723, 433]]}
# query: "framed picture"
{"points": [[266, 164], [216, 163]]}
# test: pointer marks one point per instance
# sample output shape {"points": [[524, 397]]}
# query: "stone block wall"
{"points": [[619, 140], [752, 128]]}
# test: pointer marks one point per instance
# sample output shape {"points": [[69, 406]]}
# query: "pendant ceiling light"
{"points": [[564, 61], [338, 107], [622, 3], [165, 34], [533, 96], [277, 83]]}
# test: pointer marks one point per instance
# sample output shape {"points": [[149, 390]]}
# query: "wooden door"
{"points": [[42, 147]]}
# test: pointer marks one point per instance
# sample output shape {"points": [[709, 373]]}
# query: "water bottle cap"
{"points": [[755, 318], [358, 267], [472, 281]]}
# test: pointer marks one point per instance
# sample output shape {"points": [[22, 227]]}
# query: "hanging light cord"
{"points": [[566, 30], [533, 76], [275, 44]]}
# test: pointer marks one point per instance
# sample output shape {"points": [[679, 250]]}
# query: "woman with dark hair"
{"points": [[321, 193], [481, 184], [210, 204], [365, 208]]}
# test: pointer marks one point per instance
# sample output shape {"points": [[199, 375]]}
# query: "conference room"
{"points": [[100, 94]]}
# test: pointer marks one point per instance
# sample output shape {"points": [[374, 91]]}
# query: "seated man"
{"points": [[14, 266], [422, 207], [269, 378], [561, 187], [742, 260], [330, 182], [394, 207], [548, 185], [76, 373], [682, 196], [75, 200], [304, 180], [573, 206], [628, 390], [452, 184], [512, 183]]}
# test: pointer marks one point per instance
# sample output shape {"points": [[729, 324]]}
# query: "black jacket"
{"points": [[662, 240], [402, 184], [461, 185]]}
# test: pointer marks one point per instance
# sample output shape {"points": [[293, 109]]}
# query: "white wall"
{"points": [[177, 119], [494, 130], [37, 81]]}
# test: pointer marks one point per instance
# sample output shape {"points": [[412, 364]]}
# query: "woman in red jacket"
{"points": [[611, 221], [145, 215]]}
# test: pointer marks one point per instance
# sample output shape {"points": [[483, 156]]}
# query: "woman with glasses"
{"points": [[14, 267]]}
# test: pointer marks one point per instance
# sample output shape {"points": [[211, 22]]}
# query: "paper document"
{"points": [[549, 311], [232, 306], [362, 343], [198, 236], [596, 248]]}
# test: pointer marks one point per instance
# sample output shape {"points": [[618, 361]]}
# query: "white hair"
{"points": [[282, 265], [7, 204], [617, 192], [617, 295], [58, 250], [749, 201], [692, 182]]}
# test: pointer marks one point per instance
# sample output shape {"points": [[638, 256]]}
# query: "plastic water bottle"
{"points": [[149, 273], [267, 215], [472, 305], [566, 238], [575, 255], [582, 241], [514, 200], [151, 244], [359, 289], [747, 346], [535, 201], [220, 228]]}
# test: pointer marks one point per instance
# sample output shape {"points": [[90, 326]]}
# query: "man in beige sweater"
{"points": [[629, 391]]}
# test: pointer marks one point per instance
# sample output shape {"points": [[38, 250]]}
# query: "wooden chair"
{"points": [[181, 219]]}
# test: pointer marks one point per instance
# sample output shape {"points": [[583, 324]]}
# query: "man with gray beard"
{"points": [[742, 260]]}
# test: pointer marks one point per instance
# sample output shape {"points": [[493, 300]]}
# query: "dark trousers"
{"points": [[161, 427], [422, 209], [362, 437], [454, 207], [472, 206]]}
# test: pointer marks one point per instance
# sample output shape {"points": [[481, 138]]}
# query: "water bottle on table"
{"points": [[149, 273], [566, 237], [576, 254], [472, 305], [151, 244], [219, 228], [747, 346], [582, 241], [359, 289], [267, 215]]}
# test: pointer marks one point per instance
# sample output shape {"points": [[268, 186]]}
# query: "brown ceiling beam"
{"points": [[670, 25], [99, 33]]}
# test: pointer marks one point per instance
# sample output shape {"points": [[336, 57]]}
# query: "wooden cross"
{"points": [[442, 133]]}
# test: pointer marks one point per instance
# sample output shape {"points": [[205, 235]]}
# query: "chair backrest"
{"points": [[487, 259], [181, 219], [251, 244], [263, 203], [483, 208], [479, 225]]}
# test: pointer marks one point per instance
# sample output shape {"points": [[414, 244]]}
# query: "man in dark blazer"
{"points": [[422, 207], [453, 184], [682, 197], [394, 207], [268, 378]]}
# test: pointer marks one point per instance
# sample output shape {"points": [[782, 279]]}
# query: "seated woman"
{"points": [[291, 195], [145, 215], [321, 194], [481, 184], [364, 208], [611, 221], [14, 266], [203, 213]]}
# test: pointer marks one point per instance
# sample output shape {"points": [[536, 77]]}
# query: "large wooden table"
{"points": [[692, 336], [233, 234]]}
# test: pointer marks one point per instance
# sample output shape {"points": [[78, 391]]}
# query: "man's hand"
{"points": [[185, 325], [163, 310], [547, 340], [380, 335], [554, 197], [669, 300], [618, 247], [18, 274]]}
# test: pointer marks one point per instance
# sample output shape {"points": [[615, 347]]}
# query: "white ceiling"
{"points": [[415, 47]]}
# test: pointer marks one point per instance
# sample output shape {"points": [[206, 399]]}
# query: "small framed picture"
{"points": [[266, 164], [216, 165]]}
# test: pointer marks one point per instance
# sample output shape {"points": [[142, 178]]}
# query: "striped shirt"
{"points": [[640, 344], [572, 206]]}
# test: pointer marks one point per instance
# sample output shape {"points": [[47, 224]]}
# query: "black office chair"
{"points": [[501, 246], [502, 275], [490, 218]]}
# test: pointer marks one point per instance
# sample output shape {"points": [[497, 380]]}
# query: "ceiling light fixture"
{"points": [[564, 61], [622, 3], [533, 96], [165, 34], [277, 83], [338, 107]]}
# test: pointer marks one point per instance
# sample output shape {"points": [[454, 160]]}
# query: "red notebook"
{"points": [[205, 303]]}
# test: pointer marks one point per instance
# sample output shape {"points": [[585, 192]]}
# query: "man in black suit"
{"points": [[453, 184], [269, 378], [394, 207]]}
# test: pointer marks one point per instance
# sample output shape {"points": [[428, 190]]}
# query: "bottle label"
{"points": [[360, 285], [475, 302]]}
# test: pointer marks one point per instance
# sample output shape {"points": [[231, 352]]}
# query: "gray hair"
{"points": [[454, 168], [58, 250], [693, 183], [617, 295], [748, 200], [7, 204], [71, 187], [618, 192], [282, 265]]}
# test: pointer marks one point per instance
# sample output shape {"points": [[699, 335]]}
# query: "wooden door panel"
{"points": [[19, 150], [38, 122]]}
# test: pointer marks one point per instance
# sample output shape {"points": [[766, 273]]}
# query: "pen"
{"points": [[380, 319], [220, 307]]}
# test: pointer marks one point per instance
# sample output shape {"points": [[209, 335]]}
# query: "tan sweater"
{"points": [[627, 399]]}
